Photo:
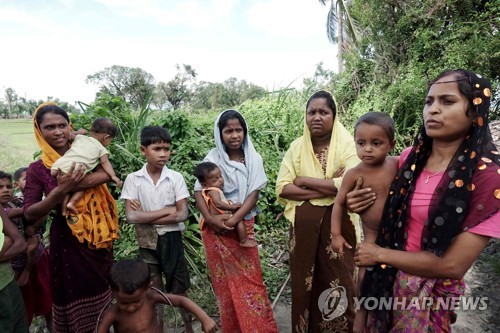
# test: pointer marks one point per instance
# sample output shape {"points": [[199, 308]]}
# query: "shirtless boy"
{"points": [[374, 137], [134, 310]]}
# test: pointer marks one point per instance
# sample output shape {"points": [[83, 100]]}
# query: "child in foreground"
{"points": [[134, 310], [210, 177], [374, 138], [89, 151]]}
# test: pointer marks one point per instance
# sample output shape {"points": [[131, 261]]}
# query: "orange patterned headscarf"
{"points": [[97, 219], [49, 155]]}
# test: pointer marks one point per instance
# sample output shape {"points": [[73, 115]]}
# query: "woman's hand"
{"points": [[366, 254], [217, 223], [68, 181], [359, 198], [339, 172]]}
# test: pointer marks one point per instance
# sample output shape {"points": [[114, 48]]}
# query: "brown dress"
{"points": [[315, 268]]}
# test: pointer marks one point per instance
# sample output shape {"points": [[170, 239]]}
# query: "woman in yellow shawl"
{"points": [[79, 264], [310, 174]]}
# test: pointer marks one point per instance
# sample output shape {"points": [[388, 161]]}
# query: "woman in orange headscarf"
{"points": [[79, 265]]}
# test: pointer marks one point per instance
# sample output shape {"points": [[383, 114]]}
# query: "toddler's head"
{"points": [[104, 130], [130, 282], [5, 188], [209, 175], [374, 137], [20, 178]]}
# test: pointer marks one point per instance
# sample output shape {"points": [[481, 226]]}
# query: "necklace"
{"points": [[430, 176]]}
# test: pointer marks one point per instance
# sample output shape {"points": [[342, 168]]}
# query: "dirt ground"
{"points": [[482, 280]]}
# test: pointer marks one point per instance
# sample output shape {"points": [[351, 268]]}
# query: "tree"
{"points": [[407, 43], [229, 94], [11, 106], [135, 85], [341, 28], [176, 91]]}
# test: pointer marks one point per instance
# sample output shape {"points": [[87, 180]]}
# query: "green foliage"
{"points": [[406, 44]]}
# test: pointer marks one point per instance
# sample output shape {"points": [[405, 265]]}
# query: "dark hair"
{"points": [[154, 134], [462, 79], [5, 175], [129, 275], [104, 125], [201, 170], [381, 119], [228, 115], [329, 100], [50, 109], [19, 172]]}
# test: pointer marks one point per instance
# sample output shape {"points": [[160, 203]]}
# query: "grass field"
{"points": [[17, 144]]}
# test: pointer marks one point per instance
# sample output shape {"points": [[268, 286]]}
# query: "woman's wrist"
{"points": [[58, 193], [380, 255]]}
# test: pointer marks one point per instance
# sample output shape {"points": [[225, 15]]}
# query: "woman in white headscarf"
{"points": [[235, 270]]}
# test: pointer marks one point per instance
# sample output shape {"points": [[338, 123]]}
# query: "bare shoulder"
{"points": [[155, 297], [352, 175], [392, 163], [212, 193], [110, 312]]}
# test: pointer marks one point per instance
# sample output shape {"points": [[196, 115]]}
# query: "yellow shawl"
{"points": [[300, 160], [97, 219]]}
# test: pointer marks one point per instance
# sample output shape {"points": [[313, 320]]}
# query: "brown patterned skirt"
{"points": [[317, 272]]}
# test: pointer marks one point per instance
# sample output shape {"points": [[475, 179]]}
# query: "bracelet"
{"points": [[7, 210]]}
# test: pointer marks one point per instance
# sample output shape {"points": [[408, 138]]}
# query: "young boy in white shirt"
{"points": [[156, 202]]}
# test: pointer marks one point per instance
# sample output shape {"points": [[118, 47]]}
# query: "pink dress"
{"points": [[435, 318]]}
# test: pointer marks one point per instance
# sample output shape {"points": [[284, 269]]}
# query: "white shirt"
{"points": [[170, 188]]}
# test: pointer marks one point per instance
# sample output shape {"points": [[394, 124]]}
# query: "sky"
{"points": [[49, 47]]}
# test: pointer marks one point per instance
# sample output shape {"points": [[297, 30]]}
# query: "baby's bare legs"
{"points": [[72, 201], [241, 231], [361, 314]]}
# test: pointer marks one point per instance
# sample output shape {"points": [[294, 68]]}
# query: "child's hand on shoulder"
{"points": [[208, 325]]}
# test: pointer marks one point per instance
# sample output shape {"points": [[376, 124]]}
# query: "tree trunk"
{"points": [[340, 40]]}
